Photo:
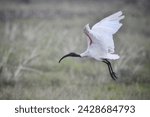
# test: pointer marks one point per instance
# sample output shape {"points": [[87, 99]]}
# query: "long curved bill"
{"points": [[69, 55]]}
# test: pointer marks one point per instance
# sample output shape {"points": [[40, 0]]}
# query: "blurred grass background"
{"points": [[34, 34]]}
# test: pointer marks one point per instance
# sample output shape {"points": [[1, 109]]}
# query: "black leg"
{"points": [[112, 73]]}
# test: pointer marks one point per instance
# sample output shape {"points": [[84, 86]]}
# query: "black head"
{"points": [[72, 54]]}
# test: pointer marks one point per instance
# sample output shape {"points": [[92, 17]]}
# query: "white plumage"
{"points": [[100, 41], [100, 37]]}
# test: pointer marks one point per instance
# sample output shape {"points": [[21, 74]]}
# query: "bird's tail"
{"points": [[112, 56]]}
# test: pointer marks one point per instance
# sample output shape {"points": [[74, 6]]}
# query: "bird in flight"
{"points": [[100, 41]]}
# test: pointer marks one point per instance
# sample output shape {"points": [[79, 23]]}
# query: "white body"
{"points": [[100, 38]]}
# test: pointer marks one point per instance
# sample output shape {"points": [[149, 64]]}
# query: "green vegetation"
{"points": [[34, 36]]}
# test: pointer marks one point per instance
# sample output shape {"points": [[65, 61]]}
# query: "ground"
{"points": [[34, 36]]}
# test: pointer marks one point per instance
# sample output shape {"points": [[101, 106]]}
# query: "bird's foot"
{"points": [[114, 75]]}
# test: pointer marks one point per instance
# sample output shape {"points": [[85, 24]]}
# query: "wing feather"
{"points": [[106, 28], [109, 24]]}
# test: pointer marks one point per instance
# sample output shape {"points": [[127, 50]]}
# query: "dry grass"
{"points": [[35, 36]]}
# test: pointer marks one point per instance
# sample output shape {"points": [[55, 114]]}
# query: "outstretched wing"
{"points": [[106, 28]]}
